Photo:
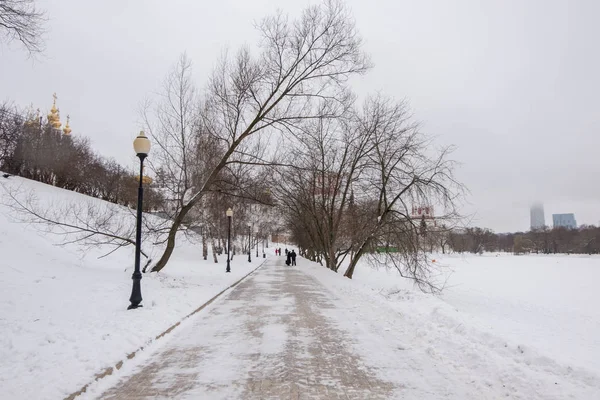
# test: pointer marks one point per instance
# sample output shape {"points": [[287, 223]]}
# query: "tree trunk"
{"points": [[350, 270], [330, 262], [171, 239], [204, 246], [214, 250]]}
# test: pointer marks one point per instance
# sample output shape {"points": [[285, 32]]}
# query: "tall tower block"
{"points": [[538, 220]]}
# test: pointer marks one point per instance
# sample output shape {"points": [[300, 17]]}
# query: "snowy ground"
{"points": [[63, 314], [525, 327], [520, 327], [306, 332], [546, 303], [550, 304]]}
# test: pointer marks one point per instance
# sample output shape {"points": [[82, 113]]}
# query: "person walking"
{"points": [[293, 254], [288, 260]]}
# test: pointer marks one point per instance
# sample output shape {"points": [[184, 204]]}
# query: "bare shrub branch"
{"points": [[20, 20]]}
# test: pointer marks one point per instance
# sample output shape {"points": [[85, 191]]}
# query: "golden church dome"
{"points": [[67, 128], [54, 115], [146, 180], [33, 120]]}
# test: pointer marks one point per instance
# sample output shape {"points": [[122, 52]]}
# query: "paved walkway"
{"points": [[269, 338]]}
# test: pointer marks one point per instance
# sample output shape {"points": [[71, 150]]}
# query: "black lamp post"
{"points": [[141, 145], [229, 214], [264, 255], [256, 238], [249, 242]]}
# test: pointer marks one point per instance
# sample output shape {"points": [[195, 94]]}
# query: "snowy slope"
{"points": [[63, 314]]}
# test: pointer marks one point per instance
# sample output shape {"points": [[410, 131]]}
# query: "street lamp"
{"points": [[229, 214], [263, 242], [141, 145], [256, 238], [249, 242]]}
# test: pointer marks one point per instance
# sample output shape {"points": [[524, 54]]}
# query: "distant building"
{"points": [[423, 213], [564, 221], [538, 221]]}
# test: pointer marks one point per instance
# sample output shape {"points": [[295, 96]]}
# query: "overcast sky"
{"points": [[514, 84]]}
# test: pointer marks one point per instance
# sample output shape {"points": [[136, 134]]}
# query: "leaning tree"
{"points": [[252, 100]]}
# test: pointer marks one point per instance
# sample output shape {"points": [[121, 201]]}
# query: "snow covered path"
{"points": [[269, 338], [307, 333]]}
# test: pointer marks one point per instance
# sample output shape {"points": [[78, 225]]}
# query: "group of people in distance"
{"points": [[290, 256]]}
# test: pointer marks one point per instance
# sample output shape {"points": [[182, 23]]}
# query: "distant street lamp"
{"points": [[141, 145], [264, 255], [256, 238], [249, 242], [229, 214]]}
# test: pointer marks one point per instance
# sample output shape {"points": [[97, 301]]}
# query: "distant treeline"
{"points": [[35, 150], [583, 240]]}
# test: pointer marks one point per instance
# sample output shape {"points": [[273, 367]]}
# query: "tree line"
{"points": [[583, 240]]}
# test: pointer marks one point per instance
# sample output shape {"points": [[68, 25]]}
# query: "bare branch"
{"points": [[20, 20]]}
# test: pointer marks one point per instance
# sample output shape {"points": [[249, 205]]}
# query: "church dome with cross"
{"points": [[54, 118]]}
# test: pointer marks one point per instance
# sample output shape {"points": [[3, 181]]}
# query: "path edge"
{"points": [[109, 371]]}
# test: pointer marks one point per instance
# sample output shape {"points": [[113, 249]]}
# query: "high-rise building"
{"points": [[538, 220], [564, 221]]}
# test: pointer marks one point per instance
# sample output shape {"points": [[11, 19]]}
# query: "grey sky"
{"points": [[512, 83]]}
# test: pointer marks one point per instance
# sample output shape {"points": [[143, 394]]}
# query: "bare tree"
{"points": [[173, 124], [88, 224], [356, 177], [11, 126], [403, 169], [522, 244], [317, 191], [20, 20], [301, 63]]}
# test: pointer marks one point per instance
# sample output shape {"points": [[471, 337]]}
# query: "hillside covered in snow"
{"points": [[63, 310]]}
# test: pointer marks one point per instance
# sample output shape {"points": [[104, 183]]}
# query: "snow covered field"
{"points": [[63, 313], [527, 327], [547, 303]]}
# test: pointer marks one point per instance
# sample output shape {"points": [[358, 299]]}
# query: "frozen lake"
{"points": [[550, 303], [546, 305]]}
